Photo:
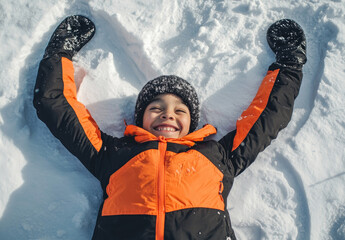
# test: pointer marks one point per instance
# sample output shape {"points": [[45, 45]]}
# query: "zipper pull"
{"points": [[162, 139]]}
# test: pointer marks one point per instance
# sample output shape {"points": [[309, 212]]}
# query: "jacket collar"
{"points": [[141, 135]]}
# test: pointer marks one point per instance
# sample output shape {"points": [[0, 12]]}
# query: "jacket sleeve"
{"points": [[269, 112], [68, 120]]}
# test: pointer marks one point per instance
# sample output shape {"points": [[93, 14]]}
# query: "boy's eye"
{"points": [[181, 111], [155, 108]]}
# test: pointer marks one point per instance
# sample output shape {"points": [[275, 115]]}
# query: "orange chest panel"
{"points": [[158, 180]]}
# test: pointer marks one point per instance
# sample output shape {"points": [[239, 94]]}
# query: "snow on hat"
{"points": [[168, 84]]}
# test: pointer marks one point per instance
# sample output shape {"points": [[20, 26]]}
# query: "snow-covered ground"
{"points": [[295, 189]]}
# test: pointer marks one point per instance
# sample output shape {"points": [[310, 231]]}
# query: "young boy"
{"points": [[162, 180]]}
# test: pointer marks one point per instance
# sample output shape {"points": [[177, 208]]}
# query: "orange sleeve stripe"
{"points": [[255, 109], [70, 92]]}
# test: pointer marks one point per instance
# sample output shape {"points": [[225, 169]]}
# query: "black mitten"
{"points": [[287, 40], [70, 36]]}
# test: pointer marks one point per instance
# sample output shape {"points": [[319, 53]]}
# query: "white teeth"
{"points": [[169, 129]]}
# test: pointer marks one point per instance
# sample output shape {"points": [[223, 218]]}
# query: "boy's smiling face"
{"points": [[167, 116]]}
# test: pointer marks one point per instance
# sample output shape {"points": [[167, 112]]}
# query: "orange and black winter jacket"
{"points": [[157, 188]]}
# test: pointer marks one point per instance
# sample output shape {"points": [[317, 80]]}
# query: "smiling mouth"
{"points": [[165, 128]]}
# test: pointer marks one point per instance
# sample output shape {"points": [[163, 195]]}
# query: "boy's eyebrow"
{"points": [[156, 99]]}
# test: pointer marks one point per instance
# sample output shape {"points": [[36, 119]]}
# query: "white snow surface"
{"points": [[294, 190]]}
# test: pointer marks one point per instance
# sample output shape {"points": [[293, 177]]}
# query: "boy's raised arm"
{"points": [[271, 108], [55, 93]]}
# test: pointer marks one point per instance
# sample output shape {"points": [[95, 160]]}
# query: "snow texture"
{"points": [[294, 190]]}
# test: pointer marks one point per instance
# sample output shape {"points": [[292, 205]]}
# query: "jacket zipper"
{"points": [[162, 146]]}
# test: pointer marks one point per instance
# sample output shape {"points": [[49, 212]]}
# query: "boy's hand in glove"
{"points": [[287, 40], [70, 36]]}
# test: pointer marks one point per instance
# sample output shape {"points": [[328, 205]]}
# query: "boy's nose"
{"points": [[168, 115]]}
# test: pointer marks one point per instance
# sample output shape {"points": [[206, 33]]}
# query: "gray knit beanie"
{"points": [[168, 84]]}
